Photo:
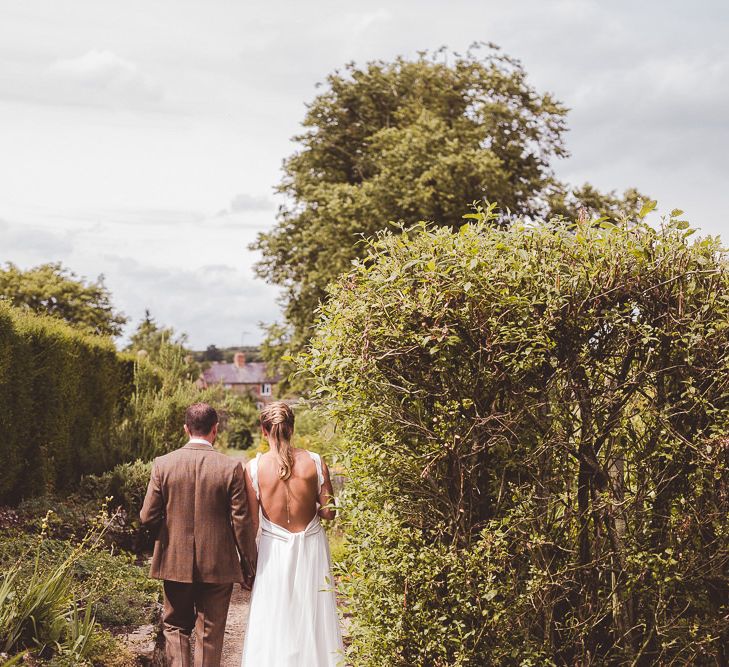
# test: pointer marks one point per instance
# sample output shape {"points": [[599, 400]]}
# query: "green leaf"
{"points": [[649, 206]]}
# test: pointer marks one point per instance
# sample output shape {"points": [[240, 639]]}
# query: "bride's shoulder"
{"points": [[253, 461]]}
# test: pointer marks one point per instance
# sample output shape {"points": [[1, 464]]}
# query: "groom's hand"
{"points": [[247, 583], [249, 574]]}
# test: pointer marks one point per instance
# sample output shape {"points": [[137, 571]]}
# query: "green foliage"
{"points": [[239, 423], [211, 353], [275, 349], [109, 578], [226, 354], [50, 289], [165, 349], [125, 486], [152, 421], [535, 428], [574, 203], [150, 337], [409, 140], [315, 430], [60, 394], [54, 594]]}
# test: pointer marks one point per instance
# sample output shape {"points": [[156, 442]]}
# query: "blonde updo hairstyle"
{"points": [[277, 422]]}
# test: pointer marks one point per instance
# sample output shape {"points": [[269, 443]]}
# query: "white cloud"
{"points": [[31, 244], [105, 71], [364, 22], [245, 202], [215, 303]]}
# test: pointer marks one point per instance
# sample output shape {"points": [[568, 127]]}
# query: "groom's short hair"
{"points": [[200, 418]]}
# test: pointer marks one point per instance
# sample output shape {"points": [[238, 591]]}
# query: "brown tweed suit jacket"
{"points": [[197, 508]]}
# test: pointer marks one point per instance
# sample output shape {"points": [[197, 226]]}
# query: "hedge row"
{"points": [[60, 392], [535, 428]]}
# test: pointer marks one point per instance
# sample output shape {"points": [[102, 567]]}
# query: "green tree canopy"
{"points": [[406, 141], [51, 289]]}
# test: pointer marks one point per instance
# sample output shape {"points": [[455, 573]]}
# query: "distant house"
{"points": [[243, 377]]}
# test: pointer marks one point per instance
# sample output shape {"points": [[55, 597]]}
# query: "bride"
{"points": [[293, 619]]}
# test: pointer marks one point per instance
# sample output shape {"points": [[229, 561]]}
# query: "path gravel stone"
{"points": [[236, 627]]}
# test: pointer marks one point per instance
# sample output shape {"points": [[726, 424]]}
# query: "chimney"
{"points": [[239, 359]]}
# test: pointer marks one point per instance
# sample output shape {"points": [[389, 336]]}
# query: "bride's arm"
{"points": [[327, 509], [252, 499]]}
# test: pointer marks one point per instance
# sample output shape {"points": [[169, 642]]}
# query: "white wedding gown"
{"points": [[293, 618]]}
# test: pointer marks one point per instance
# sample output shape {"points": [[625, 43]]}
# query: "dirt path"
{"points": [[236, 627]]}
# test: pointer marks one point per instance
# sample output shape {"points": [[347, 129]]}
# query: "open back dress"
{"points": [[293, 618]]}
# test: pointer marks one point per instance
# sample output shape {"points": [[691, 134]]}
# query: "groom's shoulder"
{"points": [[218, 459]]}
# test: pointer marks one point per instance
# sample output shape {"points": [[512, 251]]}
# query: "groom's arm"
{"points": [[153, 508], [243, 530]]}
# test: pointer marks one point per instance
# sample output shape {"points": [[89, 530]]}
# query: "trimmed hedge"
{"points": [[60, 392]]}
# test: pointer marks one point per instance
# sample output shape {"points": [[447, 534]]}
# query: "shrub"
{"points": [[37, 608], [55, 595], [125, 485], [315, 431], [238, 421], [535, 427], [60, 393]]}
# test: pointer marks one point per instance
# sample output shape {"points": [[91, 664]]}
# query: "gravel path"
{"points": [[237, 614], [236, 627]]}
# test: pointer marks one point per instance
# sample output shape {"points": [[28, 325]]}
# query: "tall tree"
{"points": [[406, 141], [151, 337], [51, 289], [165, 348]]}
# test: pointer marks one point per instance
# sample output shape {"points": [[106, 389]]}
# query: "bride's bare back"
{"points": [[290, 503], [287, 477], [303, 494]]}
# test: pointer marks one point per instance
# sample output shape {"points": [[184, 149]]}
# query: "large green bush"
{"points": [[535, 428], [60, 393]]}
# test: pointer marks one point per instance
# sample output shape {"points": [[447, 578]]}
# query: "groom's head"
{"points": [[201, 420]]}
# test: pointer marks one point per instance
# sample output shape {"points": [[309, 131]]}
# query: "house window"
{"points": [[265, 389]]}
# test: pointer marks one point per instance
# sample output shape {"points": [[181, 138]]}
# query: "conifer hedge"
{"points": [[535, 425], [60, 392]]}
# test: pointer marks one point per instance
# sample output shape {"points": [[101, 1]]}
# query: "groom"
{"points": [[197, 508]]}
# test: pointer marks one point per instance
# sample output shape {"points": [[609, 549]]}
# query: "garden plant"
{"points": [[534, 423]]}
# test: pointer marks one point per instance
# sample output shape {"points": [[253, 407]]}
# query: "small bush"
{"points": [[125, 485], [238, 421], [151, 423]]}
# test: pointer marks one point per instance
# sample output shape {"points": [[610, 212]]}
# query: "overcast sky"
{"points": [[143, 139]]}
